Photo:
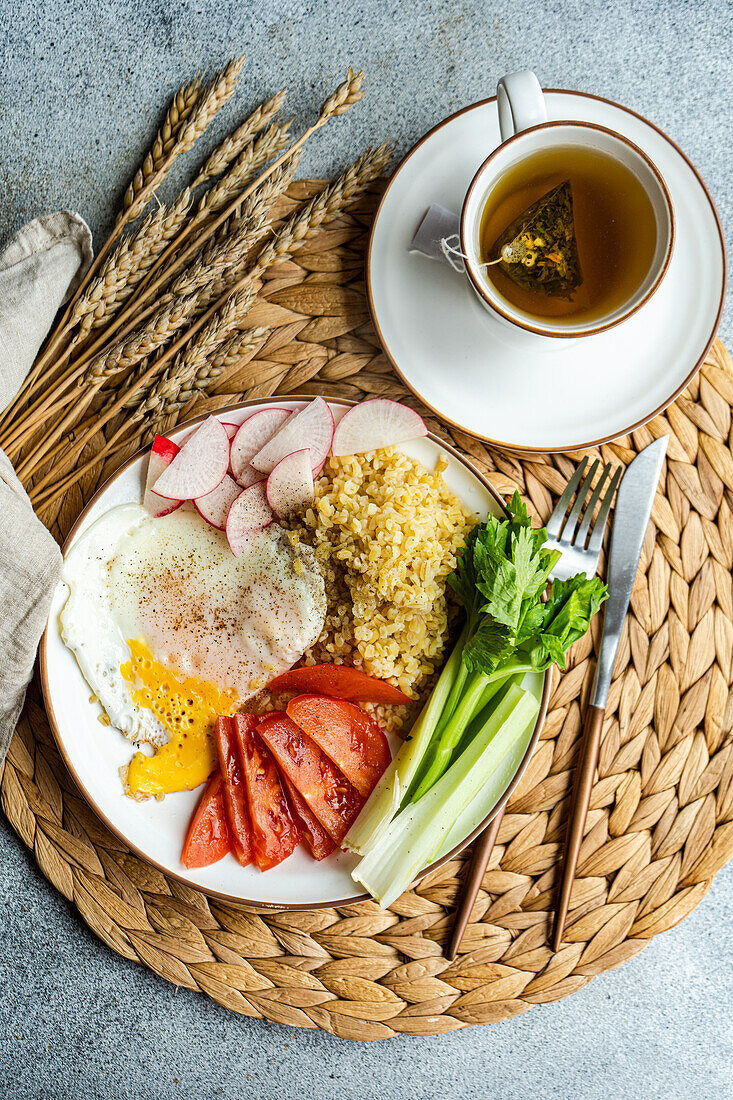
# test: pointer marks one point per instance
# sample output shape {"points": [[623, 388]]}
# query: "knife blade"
{"points": [[630, 520]]}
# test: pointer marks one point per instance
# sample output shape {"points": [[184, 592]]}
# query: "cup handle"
{"points": [[520, 101]]}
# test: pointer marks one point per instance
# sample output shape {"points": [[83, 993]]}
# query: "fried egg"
{"points": [[169, 629]]}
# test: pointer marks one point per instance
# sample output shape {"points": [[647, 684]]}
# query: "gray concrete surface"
{"points": [[82, 86]]}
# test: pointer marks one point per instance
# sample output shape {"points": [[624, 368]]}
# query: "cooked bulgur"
{"points": [[385, 531]]}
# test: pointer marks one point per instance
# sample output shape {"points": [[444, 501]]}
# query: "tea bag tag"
{"points": [[437, 237]]}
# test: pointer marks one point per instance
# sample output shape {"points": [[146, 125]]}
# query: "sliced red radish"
{"points": [[249, 513], [162, 454], [252, 435], [199, 466], [376, 423], [214, 507], [290, 485], [312, 427], [230, 429], [248, 476], [240, 540]]}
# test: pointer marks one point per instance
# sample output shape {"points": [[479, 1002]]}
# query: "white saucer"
{"points": [[508, 387]]}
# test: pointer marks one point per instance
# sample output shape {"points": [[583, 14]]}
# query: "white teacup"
{"points": [[524, 131]]}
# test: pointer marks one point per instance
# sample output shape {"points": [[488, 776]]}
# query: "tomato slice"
{"points": [[274, 835], [312, 833], [340, 682], [208, 839], [235, 793], [327, 791], [347, 734]]}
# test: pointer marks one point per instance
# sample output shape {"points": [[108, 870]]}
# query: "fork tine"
{"points": [[599, 526], [558, 515], [574, 513], [591, 506]]}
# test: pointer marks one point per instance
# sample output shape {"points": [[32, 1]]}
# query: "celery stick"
{"points": [[384, 801], [488, 701], [478, 692], [417, 833], [477, 810]]}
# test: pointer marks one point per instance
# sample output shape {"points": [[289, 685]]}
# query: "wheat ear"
{"points": [[128, 265], [217, 94], [269, 143], [182, 104], [237, 141]]}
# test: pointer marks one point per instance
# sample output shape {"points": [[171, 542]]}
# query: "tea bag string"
{"points": [[451, 249]]}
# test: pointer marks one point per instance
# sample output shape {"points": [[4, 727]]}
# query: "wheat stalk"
{"points": [[271, 142], [292, 235], [129, 264], [221, 259], [128, 357], [218, 93], [235, 143], [123, 357], [182, 104]]}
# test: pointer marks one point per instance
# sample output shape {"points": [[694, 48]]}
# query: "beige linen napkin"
{"points": [[39, 269]]}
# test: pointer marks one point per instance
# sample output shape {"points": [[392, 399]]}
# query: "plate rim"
{"points": [[524, 449], [218, 894]]}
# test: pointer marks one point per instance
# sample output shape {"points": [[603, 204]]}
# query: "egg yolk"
{"points": [[188, 709]]}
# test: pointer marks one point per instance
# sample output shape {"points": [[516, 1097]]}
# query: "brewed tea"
{"points": [[568, 232]]}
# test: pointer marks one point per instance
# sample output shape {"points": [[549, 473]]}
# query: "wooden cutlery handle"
{"points": [[481, 853], [584, 775]]}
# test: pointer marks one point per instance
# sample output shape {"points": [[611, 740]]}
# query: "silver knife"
{"points": [[630, 520]]}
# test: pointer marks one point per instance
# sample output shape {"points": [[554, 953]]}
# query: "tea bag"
{"points": [[539, 250]]}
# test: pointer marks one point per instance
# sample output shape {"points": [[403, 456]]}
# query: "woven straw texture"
{"points": [[661, 818]]}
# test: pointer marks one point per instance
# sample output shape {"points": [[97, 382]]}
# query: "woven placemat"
{"points": [[660, 824]]}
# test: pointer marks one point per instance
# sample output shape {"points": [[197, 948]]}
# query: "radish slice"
{"points": [[249, 513], [240, 540], [318, 470], [253, 435], [230, 429], [199, 466], [376, 423], [248, 476], [162, 454], [312, 427], [214, 507], [290, 485]]}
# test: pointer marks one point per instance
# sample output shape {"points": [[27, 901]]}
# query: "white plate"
{"points": [[506, 386], [156, 830]]}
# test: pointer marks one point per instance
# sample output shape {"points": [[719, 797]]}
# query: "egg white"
{"points": [[173, 583]]}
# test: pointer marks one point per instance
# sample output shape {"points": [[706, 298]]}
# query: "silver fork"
{"points": [[580, 540], [578, 535]]}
